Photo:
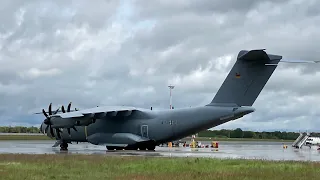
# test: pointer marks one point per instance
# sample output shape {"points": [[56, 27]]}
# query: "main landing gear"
{"points": [[150, 148], [142, 147]]}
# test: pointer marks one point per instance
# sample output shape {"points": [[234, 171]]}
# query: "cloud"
{"points": [[128, 52]]}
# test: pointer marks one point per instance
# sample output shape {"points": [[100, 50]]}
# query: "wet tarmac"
{"points": [[242, 150]]}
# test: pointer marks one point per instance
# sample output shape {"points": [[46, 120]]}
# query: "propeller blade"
{"points": [[50, 107], [62, 109], [46, 130], [44, 113], [69, 107], [58, 133], [74, 128], [56, 111]]}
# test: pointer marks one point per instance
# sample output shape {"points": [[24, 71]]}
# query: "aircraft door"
{"points": [[170, 122], [144, 131]]}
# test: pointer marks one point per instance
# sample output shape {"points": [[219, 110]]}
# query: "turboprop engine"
{"points": [[53, 122]]}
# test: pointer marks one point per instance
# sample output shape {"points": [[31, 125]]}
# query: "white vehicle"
{"points": [[313, 141]]}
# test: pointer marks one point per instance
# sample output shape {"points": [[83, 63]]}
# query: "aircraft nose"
{"points": [[42, 128]]}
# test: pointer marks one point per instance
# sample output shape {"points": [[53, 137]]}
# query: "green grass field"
{"points": [[24, 137], [43, 137], [40, 167]]}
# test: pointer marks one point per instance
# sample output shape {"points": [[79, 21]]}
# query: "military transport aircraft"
{"points": [[132, 128]]}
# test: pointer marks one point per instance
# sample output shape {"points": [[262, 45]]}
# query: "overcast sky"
{"points": [[106, 52]]}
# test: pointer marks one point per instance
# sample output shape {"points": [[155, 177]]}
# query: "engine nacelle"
{"points": [[57, 122]]}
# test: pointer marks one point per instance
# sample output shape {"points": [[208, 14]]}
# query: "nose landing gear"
{"points": [[64, 146]]}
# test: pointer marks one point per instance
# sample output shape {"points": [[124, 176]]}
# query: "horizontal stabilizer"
{"points": [[298, 61]]}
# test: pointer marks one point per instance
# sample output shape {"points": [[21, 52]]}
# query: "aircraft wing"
{"points": [[99, 112], [58, 111], [87, 116]]}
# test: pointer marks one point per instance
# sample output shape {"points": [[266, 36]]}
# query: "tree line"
{"points": [[19, 129], [223, 133], [239, 133]]}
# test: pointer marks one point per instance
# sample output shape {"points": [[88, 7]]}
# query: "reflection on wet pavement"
{"points": [[244, 150]]}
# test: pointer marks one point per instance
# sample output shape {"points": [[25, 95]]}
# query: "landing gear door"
{"points": [[144, 131]]}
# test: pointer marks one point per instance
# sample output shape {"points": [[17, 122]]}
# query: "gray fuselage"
{"points": [[158, 125]]}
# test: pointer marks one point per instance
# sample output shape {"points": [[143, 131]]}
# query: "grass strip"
{"points": [[66, 166]]}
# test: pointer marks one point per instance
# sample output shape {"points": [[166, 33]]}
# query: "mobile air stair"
{"points": [[299, 142]]}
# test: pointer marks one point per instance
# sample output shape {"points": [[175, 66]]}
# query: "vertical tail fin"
{"points": [[247, 78]]}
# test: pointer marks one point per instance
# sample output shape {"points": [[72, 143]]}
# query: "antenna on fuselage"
{"points": [[171, 87]]}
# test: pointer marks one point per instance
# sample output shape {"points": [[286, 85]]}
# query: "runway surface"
{"points": [[244, 150]]}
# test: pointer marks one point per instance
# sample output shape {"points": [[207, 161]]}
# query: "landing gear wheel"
{"points": [[142, 148], [132, 148], [111, 148], [64, 146], [151, 148]]}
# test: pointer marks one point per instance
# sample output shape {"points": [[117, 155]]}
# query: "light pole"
{"points": [[171, 87]]}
